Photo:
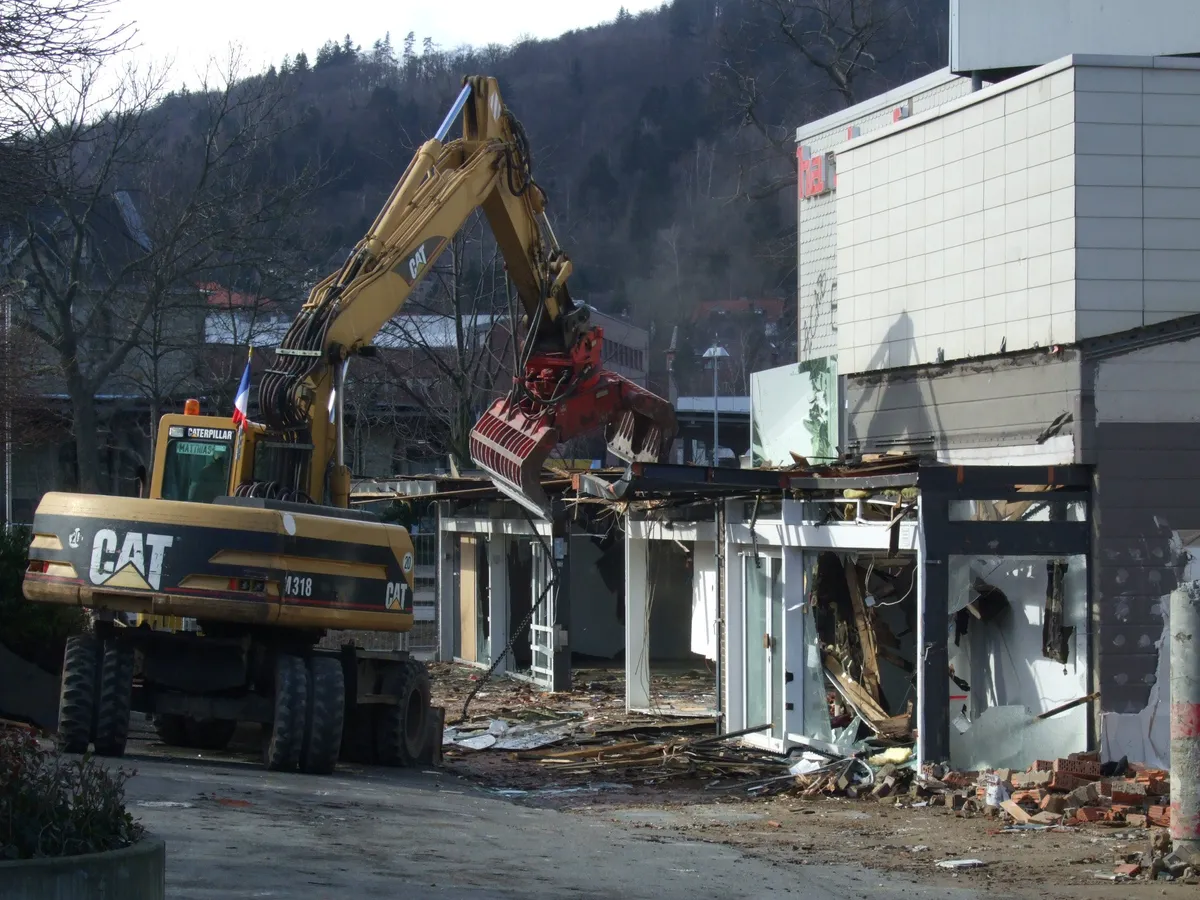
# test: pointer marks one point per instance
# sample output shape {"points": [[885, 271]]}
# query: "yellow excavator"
{"points": [[247, 527]]}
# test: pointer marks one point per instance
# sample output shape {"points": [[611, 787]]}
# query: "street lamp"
{"points": [[715, 353]]}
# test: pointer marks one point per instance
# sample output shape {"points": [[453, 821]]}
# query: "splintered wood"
{"points": [[657, 760]]}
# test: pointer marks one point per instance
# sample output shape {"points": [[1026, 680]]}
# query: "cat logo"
{"points": [[135, 562], [397, 595], [416, 264]]}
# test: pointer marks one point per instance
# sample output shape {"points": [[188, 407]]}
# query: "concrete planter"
{"points": [[131, 873]]}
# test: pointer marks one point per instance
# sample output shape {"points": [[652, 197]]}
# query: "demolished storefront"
{"points": [[942, 606]]}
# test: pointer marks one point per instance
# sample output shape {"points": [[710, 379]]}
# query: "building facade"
{"points": [[1009, 274]]}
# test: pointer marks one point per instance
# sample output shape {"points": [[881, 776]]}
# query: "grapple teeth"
{"points": [[511, 447], [634, 437]]}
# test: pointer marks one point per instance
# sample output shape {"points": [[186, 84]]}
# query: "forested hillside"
{"points": [[664, 140]]}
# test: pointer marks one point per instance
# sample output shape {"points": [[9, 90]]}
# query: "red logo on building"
{"points": [[818, 174]]}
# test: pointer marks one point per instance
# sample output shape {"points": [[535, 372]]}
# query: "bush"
{"points": [[51, 806], [37, 632]]}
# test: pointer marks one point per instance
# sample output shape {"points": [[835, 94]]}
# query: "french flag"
{"points": [[241, 402]]}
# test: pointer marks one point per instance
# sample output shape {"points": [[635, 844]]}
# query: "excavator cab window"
{"points": [[196, 471]]}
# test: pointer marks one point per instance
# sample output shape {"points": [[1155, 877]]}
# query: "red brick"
{"points": [[1135, 820], [1081, 768], [1159, 787], [1090, 756], [1129, 869], [1054, 803], [1159, 816], [1042, 765], [1031, 797], [1091, 814], [1062, 782]]}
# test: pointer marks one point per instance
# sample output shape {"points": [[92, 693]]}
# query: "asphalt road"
{"points": [[234, 830]]}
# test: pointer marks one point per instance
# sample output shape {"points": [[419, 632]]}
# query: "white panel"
{"points": [[989, 34]]}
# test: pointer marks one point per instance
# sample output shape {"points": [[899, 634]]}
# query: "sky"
{"points": [[190, 32]]}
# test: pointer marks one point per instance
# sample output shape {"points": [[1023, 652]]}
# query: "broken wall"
{"points": [[1016, 409], [1146, 517]]}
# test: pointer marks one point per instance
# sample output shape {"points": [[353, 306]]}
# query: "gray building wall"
{"points": [[1009, 409]]}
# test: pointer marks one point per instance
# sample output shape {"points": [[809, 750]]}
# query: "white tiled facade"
{"points": [[1059, 205], [818, 215]]}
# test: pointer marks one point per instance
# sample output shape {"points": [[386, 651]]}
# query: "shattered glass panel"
{"points": [[1038, 508], [1018, 648], [816, 706]]}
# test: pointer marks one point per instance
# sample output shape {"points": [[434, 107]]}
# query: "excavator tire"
{"points": [[325, 715], [208, 734], [77, 697], [282, 751], [171, 729], [402, 731], [114, 699]]}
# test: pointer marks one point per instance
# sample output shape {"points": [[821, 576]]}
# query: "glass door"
{"points": [[763, 669]]}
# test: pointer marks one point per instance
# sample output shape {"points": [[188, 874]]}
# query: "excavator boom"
{"points": [[560, 390]]}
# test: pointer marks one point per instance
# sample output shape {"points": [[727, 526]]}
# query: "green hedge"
{"points": [[54, 806], [37, 632]]}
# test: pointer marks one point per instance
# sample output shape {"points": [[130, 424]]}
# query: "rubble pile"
{"points": [[1076, 790]]}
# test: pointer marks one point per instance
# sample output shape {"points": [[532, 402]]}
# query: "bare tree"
{"points": [[452, 348], [790, 60], [127, 218], [41, 43]]}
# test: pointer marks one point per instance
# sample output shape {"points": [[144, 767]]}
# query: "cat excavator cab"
{"points": [[247, 532]]}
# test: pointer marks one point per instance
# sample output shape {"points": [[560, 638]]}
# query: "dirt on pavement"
{"points": [[1071, 863]]}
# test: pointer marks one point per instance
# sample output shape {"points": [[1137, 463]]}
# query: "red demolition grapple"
{"points": [[560, 396]]}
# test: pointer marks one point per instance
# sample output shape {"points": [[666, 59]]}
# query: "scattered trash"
{"points": [[165, 804], [229, 801], [961, 864]]}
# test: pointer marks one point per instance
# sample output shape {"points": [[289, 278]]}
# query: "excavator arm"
{"points": [[561, 389]]}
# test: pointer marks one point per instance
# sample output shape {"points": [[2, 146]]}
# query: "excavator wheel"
{"points": [[402, 730], [113, 702], [77, 697], [324, 717], [286, 737]]}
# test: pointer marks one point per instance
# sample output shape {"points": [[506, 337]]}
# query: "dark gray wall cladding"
{"points": [[1147, 487], [996, 402]]}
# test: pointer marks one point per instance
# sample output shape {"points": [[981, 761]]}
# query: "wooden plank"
{"points": [[863, 702], [1016, 812], [866, 633], [467, 598]]}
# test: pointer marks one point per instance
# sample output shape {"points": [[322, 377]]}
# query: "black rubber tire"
{"points": [[325, 715], [209, 734], [114, 699], [77, 696], [171, 729], [402, 731], [282, 750]]}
